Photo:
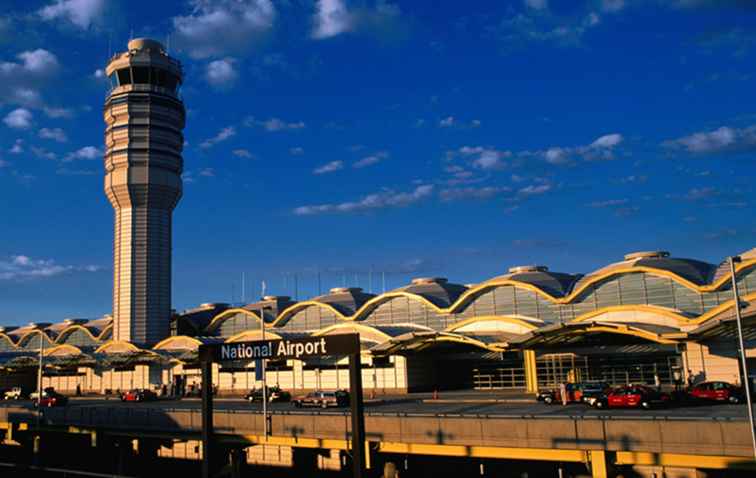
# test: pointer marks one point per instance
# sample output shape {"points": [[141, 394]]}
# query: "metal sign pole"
{"points": [[207, 416], [39, 379], [358, 416], [746, 379], [263, 365]]}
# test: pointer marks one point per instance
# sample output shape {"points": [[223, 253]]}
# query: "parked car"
{"points": [[47, 390], [632, 396], [275, 394], [15, 393], [576, 392], [716, 392], [51, 398], [138, 395], [323, 399]]}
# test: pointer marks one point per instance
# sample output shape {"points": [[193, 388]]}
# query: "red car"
{"points": [[717, 392], [138, 395], [632, 396], [51, 398]]}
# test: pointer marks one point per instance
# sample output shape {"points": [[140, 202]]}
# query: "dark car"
{"points": [[576, 392], [632, 396], [716, 392], [50, 398], [275, 394], [323, 399], [138, 395]]}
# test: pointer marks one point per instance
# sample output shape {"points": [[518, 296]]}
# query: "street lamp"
{"points": [[746, 379]]}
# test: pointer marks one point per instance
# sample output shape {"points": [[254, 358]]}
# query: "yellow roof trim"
{"points": [[70, 329], [286, 314], [226, 314], [493, 318], [235, 338], [352, 325], [71, 348], [162, 343], [112, 343]]}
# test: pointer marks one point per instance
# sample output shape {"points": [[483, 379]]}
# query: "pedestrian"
{"points": [[563, 392], [389, 471]]}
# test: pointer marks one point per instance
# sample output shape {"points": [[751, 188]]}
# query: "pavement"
{"points": [[446, 405]]}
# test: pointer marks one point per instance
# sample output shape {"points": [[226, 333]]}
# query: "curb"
{"points": [[480, 401]]}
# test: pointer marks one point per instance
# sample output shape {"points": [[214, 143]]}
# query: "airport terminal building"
{"points": [[649, 318]]}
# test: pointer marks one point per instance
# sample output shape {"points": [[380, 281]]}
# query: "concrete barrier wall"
{"points": [[684, 436]]}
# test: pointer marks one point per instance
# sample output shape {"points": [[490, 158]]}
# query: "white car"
{"points": [[14, 393]]}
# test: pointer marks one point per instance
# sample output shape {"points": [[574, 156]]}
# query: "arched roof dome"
{"points": [[345, 299], [437, 290], [723, 268], [697, 272], [556, 284]]}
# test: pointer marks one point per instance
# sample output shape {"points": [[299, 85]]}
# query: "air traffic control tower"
{"points": [[144, 118]]}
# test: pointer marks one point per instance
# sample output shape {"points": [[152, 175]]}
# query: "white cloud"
{"points": [[242, 153], [18, 147], [20, 118], [85, 153], [600, 149], [607, 141], [381, 200], [218, 28], [485, 192], [19, 267], [609, 203], [58, 112], [452, 122], [447, 122], [487, 159], [99, 73], [333, 18], [222, 135], [55, 134], [537, 4], [296, 151], [612, 5], [371, 160], [22, 80], [207, 172], [329, 167], [221, 73], [722, 140], [534, 190], [42, 153], [40, 62], [274, 125], [81, 13]]}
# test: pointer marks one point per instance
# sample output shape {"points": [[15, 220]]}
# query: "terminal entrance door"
{"points": [[615, 369], [504, 373]]}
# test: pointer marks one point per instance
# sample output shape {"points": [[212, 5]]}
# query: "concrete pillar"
{"points": [[531, 373], [599, 465]]}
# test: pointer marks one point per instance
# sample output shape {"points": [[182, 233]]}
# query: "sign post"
{"points": [[299, 349]]}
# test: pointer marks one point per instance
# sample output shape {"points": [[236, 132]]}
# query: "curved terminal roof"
{"points": [[697, 272], [346, 300], [656, 322], [437, 290], [556, 284]]}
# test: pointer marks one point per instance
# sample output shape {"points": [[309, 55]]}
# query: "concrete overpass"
{"points": [[604, 445]]}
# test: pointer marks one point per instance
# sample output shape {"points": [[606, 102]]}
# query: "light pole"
{"points": [[745, 380], [39, 379]]}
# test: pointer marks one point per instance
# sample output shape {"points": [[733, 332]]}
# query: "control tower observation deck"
{"points": [[144, 118]]}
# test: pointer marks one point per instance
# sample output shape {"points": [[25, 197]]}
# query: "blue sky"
{"points": [[410, 138]]}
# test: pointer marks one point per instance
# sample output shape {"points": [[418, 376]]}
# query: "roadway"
{"points": [[420, 407]]}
